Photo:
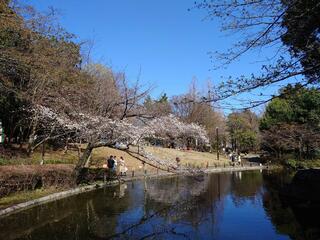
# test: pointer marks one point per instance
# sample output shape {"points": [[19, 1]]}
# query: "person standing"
{"points": [[123, 169], [115, 164], [239, 159], [110, 164]]}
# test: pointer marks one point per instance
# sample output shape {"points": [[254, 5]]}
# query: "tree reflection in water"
{"points": [[178, 203], [77, 217], [246, 186], [220, 206], [297, 222]]}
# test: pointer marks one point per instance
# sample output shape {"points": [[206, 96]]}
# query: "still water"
{"points": [[239, 205]]}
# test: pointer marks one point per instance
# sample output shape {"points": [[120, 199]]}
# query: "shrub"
{"points": [[19, 177], [291, 163]]}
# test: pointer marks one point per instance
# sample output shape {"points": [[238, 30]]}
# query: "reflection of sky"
{"points": [[246, 220], [135, 209], [223, 210]]}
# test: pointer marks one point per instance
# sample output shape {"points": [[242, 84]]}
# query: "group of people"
{"points": [[235, 157], [116, 166]]}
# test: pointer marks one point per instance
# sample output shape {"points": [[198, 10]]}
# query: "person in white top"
{"points": [[123, 169]]}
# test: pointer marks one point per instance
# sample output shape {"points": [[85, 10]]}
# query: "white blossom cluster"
{"points": [[47, 117], [88, 127], [170, 127], [97, 128]]}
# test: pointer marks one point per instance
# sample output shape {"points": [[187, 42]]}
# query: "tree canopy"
{"points": [[243, 131], [299, 105], [291, 27], [291, 124], [51, 94]]}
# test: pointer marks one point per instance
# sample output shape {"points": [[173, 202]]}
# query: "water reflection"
{"points": [[240, 205], [120, 191], [298, 222], [246, 187], [173, 190]]}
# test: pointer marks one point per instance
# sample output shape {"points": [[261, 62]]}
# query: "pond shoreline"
{"points": [[82, 189]]}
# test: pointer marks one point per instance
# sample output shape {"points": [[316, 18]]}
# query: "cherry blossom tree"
{"points": [[170, 127], [99, 131]]}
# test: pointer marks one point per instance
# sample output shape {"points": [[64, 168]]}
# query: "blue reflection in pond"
{"points": [[239, 205]]}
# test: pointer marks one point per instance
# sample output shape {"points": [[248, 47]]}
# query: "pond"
{"points": [[239, 205]]}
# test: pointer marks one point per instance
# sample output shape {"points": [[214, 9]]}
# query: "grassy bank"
{"points": [[189, 157], [50, 157], [192, 158], [58, 164], [25, 196], [302, 164], [99, 156]]}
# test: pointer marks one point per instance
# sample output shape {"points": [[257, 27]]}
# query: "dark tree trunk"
{"points": [[85, 156], [87, 152]]}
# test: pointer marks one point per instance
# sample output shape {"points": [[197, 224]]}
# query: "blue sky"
{"points": [[162, 38]]}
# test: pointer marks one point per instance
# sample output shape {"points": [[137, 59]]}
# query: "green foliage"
{"points": [[307, 107], [297, 164], [163, 98], [291, 124], [25, 196], [279, 110], [248, 139], [243, 130], [300, 105], [3, 161], [159, 107], [291, 163]]}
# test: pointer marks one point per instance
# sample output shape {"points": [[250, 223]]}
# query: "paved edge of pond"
{"points": [[82, 189]]}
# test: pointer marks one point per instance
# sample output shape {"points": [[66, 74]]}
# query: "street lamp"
{"points": [[217, 136]]}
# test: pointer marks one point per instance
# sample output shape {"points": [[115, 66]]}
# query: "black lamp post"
{"points": [[217, 135]]}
